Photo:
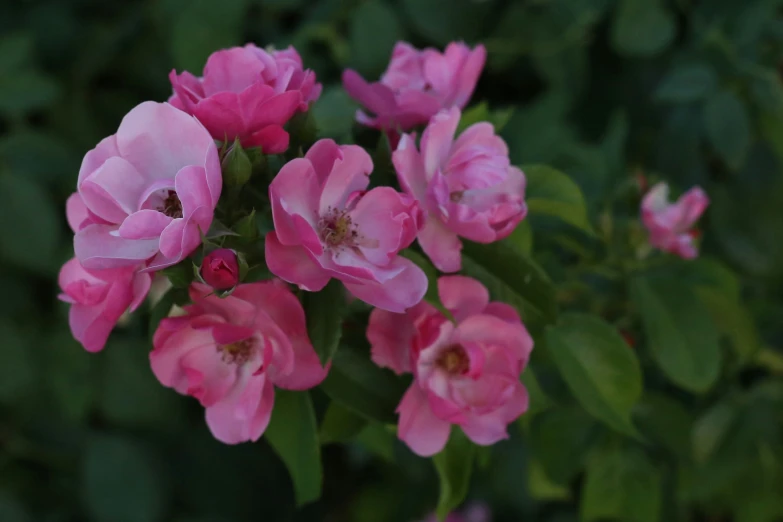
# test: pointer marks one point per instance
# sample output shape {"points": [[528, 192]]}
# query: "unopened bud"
{"points": [[220, 269]]}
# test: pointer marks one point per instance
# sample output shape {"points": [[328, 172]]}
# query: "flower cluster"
{"points": [[206, 190]]}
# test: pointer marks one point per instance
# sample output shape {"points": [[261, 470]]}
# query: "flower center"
{"points": [[337, 228], [456, 197], [454, 360], [172, 206], [237, 353]]}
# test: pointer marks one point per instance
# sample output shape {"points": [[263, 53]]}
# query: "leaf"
{"points": [[17, 370], [465, 18], [596, 363], [11, 510], [541, 487], [16, 52], [30, 209], [666, 422], [513, 278], [26, 91], [196, 32], [334, 113], [728, 129], [687, 83], [293, 434], [642, 28], [121, 482], [733, 320], [379, 440], [454, 466], [560, 439], [679, 331], [70, 376], [711, 429], [538, 400], [621, 484], [375, 28], [475, 114], [340, 424], [362, 387], [552, 193], [324, 311]]}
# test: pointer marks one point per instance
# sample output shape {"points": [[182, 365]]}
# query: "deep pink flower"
{"points": [[98, 298], [327, 226], [150, 190], [416, 85], [220, 269], [230, 353], [247, 93], [466, 186], [670, 225], [465, 373]]}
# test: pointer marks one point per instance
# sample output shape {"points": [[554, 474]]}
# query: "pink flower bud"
{"points": [[220, 269]]}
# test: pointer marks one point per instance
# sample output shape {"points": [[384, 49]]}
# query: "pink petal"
{"points": [[144, 224], [232, 423], [272, 139], [294, 192], [490, 428], [112, 191], [141, 287], [294, 265], [396, 294], [410, 168], [98, 247], [376, 97], [441, 245], [350, 173], [172, 341], [462, 296], [503, 311], [386, 222], [437, 139], [192, 190], [419, 428], [468, 76], [92, 161], [390, 336], [276, 110], [322, 156], [489, 329], [76, 212], [231, 70]]}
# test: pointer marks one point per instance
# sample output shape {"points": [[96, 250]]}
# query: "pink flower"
{"points": [[247, 93], [465, 373], [220, 269], [230, 353], [416, 85], [98, 298], [327, 226], [467, 186], [150, 190], [670, 225]]}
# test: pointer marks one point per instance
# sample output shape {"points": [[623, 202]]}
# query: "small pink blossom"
{"points": [[416, 85], [230, 353], [671, 225], [150, 191], [220, 269], [247, 93], [98, 298], [467, 186], [327, 225], [465, 373]]}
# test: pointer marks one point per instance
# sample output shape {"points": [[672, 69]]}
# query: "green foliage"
{"points": [[454, 465], [324, 312]]}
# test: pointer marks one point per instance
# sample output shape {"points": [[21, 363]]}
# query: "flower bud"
{"points": [[220, 269], [236, 166]]}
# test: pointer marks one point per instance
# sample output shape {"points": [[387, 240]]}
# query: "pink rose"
{"points": [[465, 373], [467, 186], [98, 298], [327, 226], [416, 85], [220, 269], [230, 353], [247, 93], [670, 225], [150, 190]]}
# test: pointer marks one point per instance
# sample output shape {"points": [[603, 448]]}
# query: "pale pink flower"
{"points": [[230, 353], [467, 186], [671, 224], [98, 298], [247, 93], [150, 191], [416, 85], [465, 373], [327, 225]]}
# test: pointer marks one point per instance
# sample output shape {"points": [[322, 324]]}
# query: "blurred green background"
{"points": [[683, 90]]}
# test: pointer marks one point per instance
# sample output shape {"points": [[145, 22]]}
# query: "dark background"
{"points": [[584, 82]]}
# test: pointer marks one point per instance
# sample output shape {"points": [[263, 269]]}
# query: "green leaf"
{"points": [[538, 399], [293, 434], [561, 439], [162, 308], [70, 375], [465, 19], [666, 422], [596, 363], [324, 311], [687, 83], [334, 113], [513, 278], [236, 166], [33, 215], [375, 28], [26, 91], [121, 482], [180, 275], [680, 332], [642, 28], [621, 484], [379, 439], [541, 487], [550, 192], [340, 424], [454, 466], [361, 386], [17, 370], [16, 52], [733, 320], [197, 32], [728, 128], [712, 427], [474, 114], [11, 510]]}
